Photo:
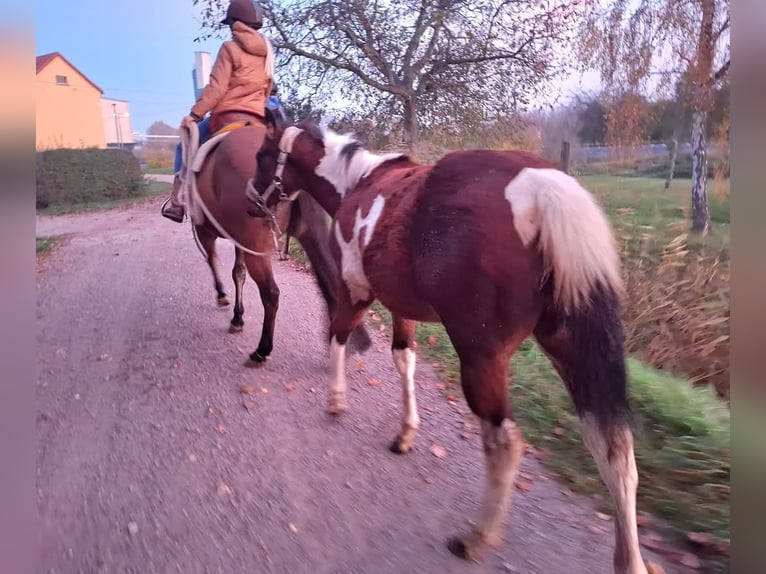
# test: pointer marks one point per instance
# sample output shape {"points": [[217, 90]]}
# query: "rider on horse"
{"points": [[240, 84]]}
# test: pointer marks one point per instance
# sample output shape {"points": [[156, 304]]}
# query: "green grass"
{"points": [[46, 244], [160, 170], [152, 189]]}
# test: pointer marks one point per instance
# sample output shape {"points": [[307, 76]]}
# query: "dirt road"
{"points": [[150, 459]]}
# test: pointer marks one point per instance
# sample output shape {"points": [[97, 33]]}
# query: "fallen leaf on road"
{"points": [[293, 528], [249, 405], [289, 387], [223, 489], [523, 485], [438, 451], [376, 317], [603, 516], [708, 542], [192, 458], [221, 429], [650, 541], [690, 561], [132, 528], [382, 327], [596, 529], [359, 365], [247, 389], [431, 340], [643, 519], [104, 357], [373, 383], [558, 431], [264, 390]]}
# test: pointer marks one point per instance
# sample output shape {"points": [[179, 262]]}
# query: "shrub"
{"points": [[75, 176]]}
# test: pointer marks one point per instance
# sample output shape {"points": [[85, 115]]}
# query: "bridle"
{"points": [[260, 199]]}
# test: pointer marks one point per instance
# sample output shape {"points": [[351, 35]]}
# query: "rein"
{"points": [[189, 147], [261, 199]]}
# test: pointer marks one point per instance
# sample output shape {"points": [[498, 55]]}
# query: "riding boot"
{"points": [[171, 208]]}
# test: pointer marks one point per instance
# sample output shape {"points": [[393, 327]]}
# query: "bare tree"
{"points": [[424, 62], [657, 44]]}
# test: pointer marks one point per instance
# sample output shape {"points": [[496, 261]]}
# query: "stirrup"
{"points": [[170, 215]]}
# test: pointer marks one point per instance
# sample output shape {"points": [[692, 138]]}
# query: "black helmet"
{"points": [[246, 11]]}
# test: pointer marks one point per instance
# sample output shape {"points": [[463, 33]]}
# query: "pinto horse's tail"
{"points": [[573, 234], [580, 329]]}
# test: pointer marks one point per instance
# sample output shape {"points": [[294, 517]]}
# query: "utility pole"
{"points": [[117, 126]]}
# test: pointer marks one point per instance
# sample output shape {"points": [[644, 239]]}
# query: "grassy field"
{"points": [[676, 319], [153, 189], [160, 170], [46, 244]]}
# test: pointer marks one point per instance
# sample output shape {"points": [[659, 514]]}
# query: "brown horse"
{"points": [[497, 246], [221, 183]]}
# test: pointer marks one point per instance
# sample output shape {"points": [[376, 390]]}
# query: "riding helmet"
{"points": [[246, 11]]}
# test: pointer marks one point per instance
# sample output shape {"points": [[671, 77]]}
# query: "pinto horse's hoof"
{"points": [[337, 407], [400, 446], [469, 547], [236, 328], [222, 301]]}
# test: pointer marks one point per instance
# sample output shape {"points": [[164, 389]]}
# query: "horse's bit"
{"points": [[260, 200]]}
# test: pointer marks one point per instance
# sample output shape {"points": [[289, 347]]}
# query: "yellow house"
{"points": [[68, 106]]}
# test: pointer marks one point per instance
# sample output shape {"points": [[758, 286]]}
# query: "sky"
{"points": [[142, 51]]}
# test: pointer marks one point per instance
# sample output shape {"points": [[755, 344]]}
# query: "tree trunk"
{"points": [[700, 210], [673, 155], [411, 125]]}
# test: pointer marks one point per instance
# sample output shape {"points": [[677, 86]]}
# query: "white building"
{"points": [[117, 128]]}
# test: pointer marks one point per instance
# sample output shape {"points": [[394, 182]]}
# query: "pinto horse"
{"points": [[221, 184], [497, 246]]}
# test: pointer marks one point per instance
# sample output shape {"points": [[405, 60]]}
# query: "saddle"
{"points": [[194, 156]]}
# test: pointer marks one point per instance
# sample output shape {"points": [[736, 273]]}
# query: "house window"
{"points": [[61, 81]]}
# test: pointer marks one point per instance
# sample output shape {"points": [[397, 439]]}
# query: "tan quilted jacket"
{"points": [[238, 80]]}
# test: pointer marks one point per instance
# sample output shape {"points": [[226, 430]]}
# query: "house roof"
{"points": [[45, 59]]}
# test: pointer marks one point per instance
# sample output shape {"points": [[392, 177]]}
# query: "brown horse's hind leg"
{"points": [[404, 361], [260, 270], [238, 275], [483, 377], [207, 240], [285, 251], [586, 350]]}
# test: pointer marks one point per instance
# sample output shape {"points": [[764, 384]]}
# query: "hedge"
{"points": [[76, 176]]}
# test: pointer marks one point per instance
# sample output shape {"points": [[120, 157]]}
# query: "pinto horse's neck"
{"points": [[333, 168]]}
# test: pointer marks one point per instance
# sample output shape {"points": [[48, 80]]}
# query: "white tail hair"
{"points": [[575, 237]]}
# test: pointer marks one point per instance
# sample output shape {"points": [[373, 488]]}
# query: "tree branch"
{"points": [[348, 66], [722, 71]]}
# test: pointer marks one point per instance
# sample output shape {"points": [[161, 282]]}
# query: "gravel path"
{"points": [[151, 459]]}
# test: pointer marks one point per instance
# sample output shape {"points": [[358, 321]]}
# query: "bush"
{"points": [[77, 176]]}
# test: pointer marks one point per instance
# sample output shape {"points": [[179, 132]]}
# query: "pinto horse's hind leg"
{"points": [[483, 378], [404, 361], [586, 350], [238, 273], [207, 240], [260, 270]]}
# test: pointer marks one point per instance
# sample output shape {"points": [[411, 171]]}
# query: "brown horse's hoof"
{"points": [[251, 364], [235, 328], [222, 301]]}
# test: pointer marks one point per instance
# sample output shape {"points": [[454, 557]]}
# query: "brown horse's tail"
{"points": [[573, 234]]}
